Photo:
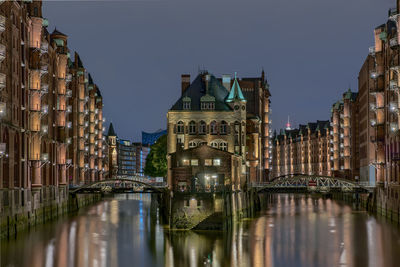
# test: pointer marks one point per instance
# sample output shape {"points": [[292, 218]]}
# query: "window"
{"points": [[192, 127], [214, 144], [185, 162], [192, 144], [223, 146], [217, 162], [186, 101], [186, 105], [202, 127], [213, 127], [180, 128], [208, 162], [194, 162], [179, 140], [224, 127], [207, 105]]}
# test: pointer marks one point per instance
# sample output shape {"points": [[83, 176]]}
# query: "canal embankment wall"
{"points": [[38, 207], [383, 201], [209, 211]]}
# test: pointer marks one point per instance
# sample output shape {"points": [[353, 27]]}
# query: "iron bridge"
{"points": [[311, 183], [120, 184]]}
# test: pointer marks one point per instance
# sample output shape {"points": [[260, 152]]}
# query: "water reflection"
{"points": [[293, 230]]}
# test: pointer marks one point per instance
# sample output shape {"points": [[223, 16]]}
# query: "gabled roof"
{"points": [[236, 93], [197, 90]]}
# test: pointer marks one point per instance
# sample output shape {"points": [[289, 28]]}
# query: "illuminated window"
{"points": [[208, 162], [194, 162], [217, 162], [185, 162]]}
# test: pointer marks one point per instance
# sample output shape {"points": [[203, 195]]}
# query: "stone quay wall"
{"points": [[23, 209], [209, 211]]}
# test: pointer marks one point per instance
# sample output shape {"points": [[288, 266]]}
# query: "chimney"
{"points": [[185, 82], [226, 81]]}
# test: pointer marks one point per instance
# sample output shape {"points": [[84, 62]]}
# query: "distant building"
{"points": [[151, 138], [305, 150], [126, 157], [345, 144]]}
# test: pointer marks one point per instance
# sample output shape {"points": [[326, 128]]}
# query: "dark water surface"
{"points": [[294, 230]]}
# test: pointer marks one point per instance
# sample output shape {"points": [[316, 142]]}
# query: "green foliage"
{"points": [[156, 162]]}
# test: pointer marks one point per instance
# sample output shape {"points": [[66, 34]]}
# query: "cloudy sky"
{"points": [[311, 50]]}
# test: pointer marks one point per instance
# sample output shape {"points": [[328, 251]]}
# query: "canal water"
{"points": [[293, 230]]}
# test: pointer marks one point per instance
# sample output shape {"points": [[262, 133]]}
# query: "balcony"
{"points": [[69, 93], [393, 84], [69, 125], [372, 51], [3, 107], [45, 129], [45, 109], [2, 23], [376, 73], [44, 69], [44, 47], [393, 107], [394, 42], [394, 126], [69, 109], [2, 52], [68, 77], [2, 81], [44, 89]]}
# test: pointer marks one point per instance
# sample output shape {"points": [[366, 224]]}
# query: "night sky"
{"points": [[311, 50]]}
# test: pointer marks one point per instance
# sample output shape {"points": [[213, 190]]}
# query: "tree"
{"points": [[156, 161]]}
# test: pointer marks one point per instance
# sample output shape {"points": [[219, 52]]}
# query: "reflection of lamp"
{"points": [[3, 153]]}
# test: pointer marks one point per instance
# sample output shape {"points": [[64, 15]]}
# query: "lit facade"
{"points": [[305, 150], [206, 118], [39, 107], [345, 137]]}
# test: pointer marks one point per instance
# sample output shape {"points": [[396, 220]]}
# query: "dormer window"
{"points": [[207, 102], [186, 102], [207, 105]]}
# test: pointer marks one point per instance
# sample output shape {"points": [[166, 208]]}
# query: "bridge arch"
{"points": [[306, 181], [116, 180]]}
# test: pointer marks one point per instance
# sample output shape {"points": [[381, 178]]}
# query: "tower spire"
{"points": [[288, 125]]}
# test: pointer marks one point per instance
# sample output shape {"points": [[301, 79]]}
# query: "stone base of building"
{"points": [[23, 209], [209, 211]]}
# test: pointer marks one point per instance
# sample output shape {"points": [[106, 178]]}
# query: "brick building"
{"points": [[345, 136], [50, 114], [305, 150]]}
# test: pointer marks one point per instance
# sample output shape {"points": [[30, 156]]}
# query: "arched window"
{"points": [[214, 144], [223, 146], [224, 127], [192, 144], [180, 128], [192, 127], [202, 127], [213, 127]]}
